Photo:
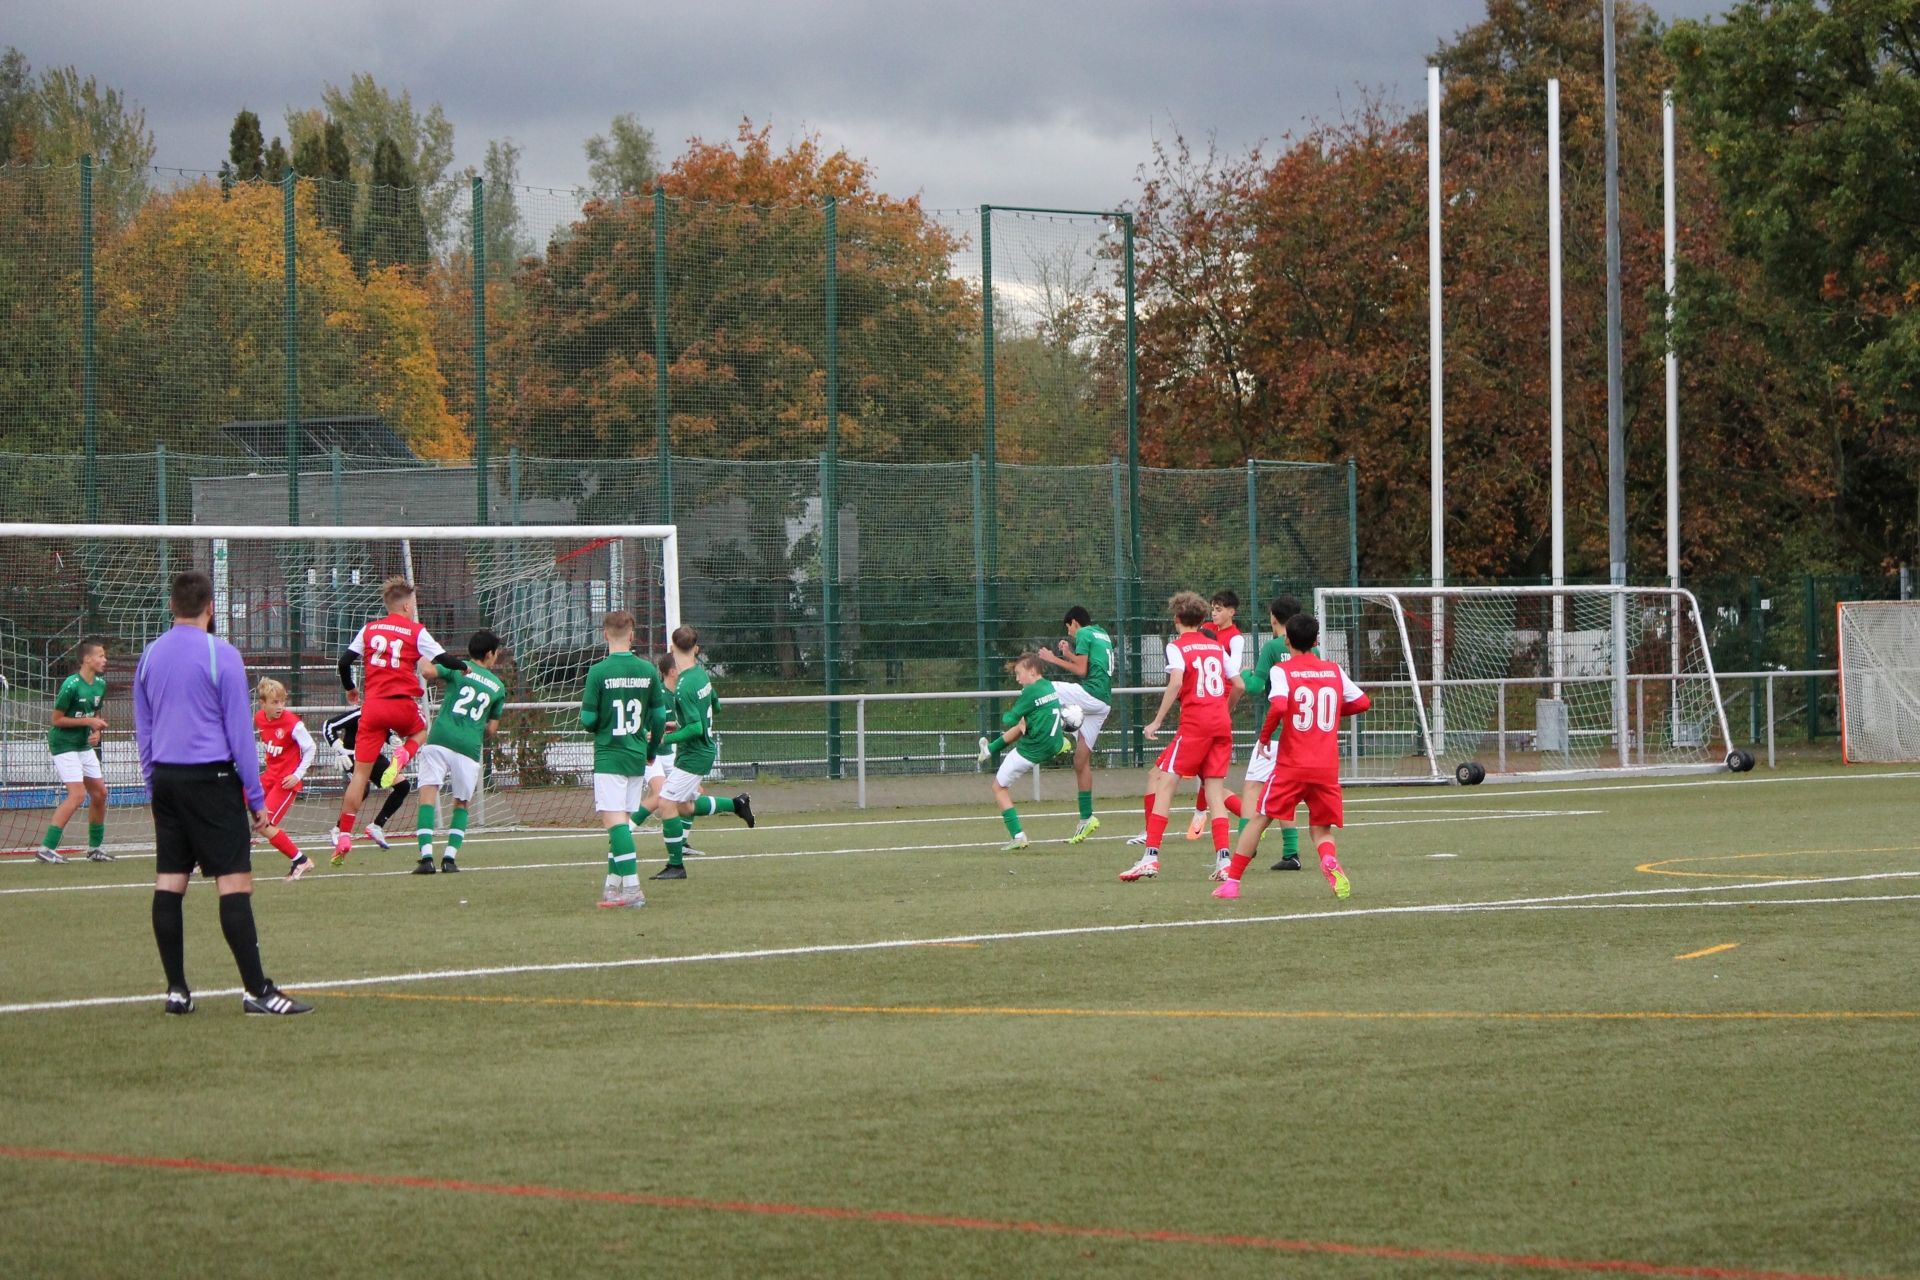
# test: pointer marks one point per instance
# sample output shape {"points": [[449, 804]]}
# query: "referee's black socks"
{"points": [[236, 922], [170, 932]]}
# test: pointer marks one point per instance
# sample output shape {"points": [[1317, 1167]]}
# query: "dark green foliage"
{"points": [[245, 162], [19, 107], [324, 156], [395, 233]]}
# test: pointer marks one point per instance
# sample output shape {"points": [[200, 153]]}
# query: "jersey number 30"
{"points": [[1326, 704]]}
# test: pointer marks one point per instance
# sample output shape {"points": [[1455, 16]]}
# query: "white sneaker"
{"points": [[1221, 861], [1145, 869], [1018, 842], [45, 854], [986, 752], [376, 833], [1139, 839]]}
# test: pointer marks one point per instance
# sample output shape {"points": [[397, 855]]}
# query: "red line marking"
{"points": [[591, 546], [835, 1213]]}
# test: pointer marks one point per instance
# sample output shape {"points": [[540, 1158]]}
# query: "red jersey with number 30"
{"points": [[1309, 696], [1200, 664], [391, 649]]}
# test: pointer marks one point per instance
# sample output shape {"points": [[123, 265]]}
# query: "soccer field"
{"points": [[1662, 1027]]}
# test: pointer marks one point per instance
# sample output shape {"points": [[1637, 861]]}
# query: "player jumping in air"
{"points": [[397, 650], [343, 731], [1221, 611], [690, 734], [1035, 735], [1090, 658], [74, 741], [289, 750], [451, 758], [1198, 680], [621, 708], [1308, 698]]}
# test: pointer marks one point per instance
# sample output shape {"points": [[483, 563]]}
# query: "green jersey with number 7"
{"points": [[623, 693]]}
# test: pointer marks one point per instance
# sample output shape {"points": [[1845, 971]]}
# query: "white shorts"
{"points": [[1260, 763], [1093, 711], [618, 793], [1013, 765], [680, 785], [74, 766], [659, 766], [440, 767]]}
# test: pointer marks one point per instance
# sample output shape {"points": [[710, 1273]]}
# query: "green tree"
{"points": [[367, 113], [75, 117], [396, 231], [507, 240], [623, 161], [245, 161], [320, 153], [19, 108]]}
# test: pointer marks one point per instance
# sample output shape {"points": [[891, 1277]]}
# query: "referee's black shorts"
{"points": [[200, 819]]}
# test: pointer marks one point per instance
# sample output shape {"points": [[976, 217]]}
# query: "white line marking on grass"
{"points": [[1584, 901]]}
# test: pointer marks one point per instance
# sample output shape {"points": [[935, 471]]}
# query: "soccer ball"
{"points": [[1071, 716]]}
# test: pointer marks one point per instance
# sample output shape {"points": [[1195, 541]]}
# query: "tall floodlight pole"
{"points": [[1436, 442], [1616, 408], [1557, 380]]}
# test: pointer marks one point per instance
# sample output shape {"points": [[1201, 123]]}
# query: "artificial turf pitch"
{"points": [[1493, 1090]]}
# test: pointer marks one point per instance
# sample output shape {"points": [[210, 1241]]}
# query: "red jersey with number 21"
{"points": [[1201, 665], [1309, 696], [391, 649]]}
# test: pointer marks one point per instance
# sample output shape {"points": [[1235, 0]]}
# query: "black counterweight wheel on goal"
{"points": [[1740, 761], [1470, 773]]}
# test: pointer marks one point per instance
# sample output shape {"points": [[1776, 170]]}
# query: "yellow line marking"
{"points": [[1710, 951], [1653, 868], [976, 1011]]}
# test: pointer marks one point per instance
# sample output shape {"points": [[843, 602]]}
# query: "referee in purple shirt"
{"points": [[194, 724]]}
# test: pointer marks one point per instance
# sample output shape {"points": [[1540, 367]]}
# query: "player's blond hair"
{"points": [[1030, 660], [617, 623], [270, 690], [395, 589], [1189, 609]]}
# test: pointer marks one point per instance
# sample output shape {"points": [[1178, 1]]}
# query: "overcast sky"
{"points": [[1053, 102]]}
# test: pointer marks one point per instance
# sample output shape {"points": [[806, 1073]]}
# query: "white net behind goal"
{"points": [[1880, 681], [1524, 681], [291, 605]]}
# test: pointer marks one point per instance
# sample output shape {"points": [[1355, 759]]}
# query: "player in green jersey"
{"points": [[1260, 764], [74, 741], [695, 750], [620, 709], [1035, 732], [451, 757], [1091, 658]]}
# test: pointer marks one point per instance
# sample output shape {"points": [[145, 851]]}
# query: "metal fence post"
{"points": [[663, 437], [89, 372], [481, 443], [1811, 624], [1353, 522], [830, 495], [1253, 554], [1133, 476], [289, 228], [860, 746], [989, 504], [1770, 763], [979, 598], [1119, 600], [160, 503]]}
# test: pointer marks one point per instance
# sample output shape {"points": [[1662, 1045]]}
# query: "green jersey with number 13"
{"points": [[618, 709], [474, 697]]}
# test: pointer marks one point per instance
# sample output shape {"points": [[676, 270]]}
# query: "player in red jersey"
{"points": [[1310, 694], [1224, 606], [289, 749], [1197, 677], [397, 652]]}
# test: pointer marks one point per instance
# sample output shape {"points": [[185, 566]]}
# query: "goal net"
{"points": [[1524, 682], [291, 600], [1880, 681]]}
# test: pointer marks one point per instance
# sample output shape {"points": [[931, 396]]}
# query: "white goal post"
{"points": [[1879, 681], [1520, 683]]}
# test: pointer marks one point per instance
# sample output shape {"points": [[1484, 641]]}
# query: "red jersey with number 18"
{"points": [[1309, 696], [392, 649], [1200, 664]]}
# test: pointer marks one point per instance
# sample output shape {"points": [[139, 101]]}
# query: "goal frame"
{"points": [[667, 535], [1844, 661], [1436, 684]]}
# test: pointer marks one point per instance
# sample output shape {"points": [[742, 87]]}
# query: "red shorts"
{"points": [[1286, 791], [279, 799], [1192, 756], [380, 717]]}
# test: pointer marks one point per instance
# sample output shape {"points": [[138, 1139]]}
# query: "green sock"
{"points": [[621, 860], [671, 829], [1086, 805], [1290, 842], [96, 832], [457, 831], [53, 837], [1012, 819], [640, 818], [424, 823], [706, 806], [1242, 827]]}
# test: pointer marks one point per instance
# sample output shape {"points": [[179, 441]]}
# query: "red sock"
{"points": [[284, 843], [1233, 805], [1200, 801], [346, 823], [404, 754], [1326, 853], [1220, 834], [1156, 827], [1149, 804], [1239, 864]]}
